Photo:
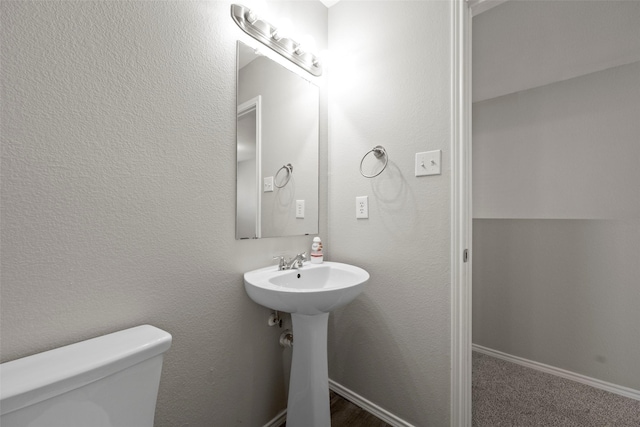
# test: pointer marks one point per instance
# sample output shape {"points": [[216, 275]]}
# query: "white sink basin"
{"points": [[310, 290], [309, 294]]}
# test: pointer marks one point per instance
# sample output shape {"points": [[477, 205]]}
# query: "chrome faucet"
{"points": [[296, 262]]}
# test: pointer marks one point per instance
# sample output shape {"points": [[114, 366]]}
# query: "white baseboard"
{"points": [[603, 385], [278, 420], [368, 406]]}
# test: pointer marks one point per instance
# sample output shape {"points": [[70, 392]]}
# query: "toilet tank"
{"points": [[107, 381]]}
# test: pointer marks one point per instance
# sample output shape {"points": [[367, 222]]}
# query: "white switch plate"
{"points": [[299, 208], [362, 207], [428, 163], [268, 184]]}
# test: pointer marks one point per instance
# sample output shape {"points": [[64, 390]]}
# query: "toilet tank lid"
{"points": [[35, 378]]}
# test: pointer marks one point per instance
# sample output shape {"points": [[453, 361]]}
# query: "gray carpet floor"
{"points": [[507, 394]]}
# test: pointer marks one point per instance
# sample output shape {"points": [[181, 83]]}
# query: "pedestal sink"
{"points": [[309, 294]]}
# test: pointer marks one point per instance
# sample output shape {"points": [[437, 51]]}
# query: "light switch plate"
{"points": [[429, 163], [299, 208], [268, 184], [362, 207]]}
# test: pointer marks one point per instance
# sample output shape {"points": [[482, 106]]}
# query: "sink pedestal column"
{"points": [[308, 404]]}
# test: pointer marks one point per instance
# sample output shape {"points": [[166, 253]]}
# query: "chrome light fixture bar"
{"points": [[268, 35]]}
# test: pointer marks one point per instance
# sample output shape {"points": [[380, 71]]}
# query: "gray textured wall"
{"points": [[560, 292], [525, 44], [564, 150], [118, 181], [390, 85], [118, 189]]}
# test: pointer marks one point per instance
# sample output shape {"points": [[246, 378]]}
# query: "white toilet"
{"points": [[107, 381]]}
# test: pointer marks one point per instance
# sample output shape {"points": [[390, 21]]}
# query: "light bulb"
{"points": [[276, 34], [251, 17], [284, 29], [258, 7], [307, 43]]}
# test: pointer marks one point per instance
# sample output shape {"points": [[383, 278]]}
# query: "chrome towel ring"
{"points": [[289, 170], [377, 151]]}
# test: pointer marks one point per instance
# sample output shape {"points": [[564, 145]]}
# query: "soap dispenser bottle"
{"points": [[316, 251]]}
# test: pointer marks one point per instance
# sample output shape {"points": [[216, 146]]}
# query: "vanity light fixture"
{"points": [[268, 35]]}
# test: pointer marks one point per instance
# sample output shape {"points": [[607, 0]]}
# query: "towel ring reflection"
{"points": [[289, 170], [377, 151]]}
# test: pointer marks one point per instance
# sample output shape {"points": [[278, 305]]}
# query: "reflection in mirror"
{"points": [[248, 168], [277, 136]]}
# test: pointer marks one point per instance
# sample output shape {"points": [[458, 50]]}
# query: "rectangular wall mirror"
{"points": [[277, 149]]}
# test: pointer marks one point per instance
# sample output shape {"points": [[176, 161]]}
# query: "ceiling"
{"points": [[329, 3]]}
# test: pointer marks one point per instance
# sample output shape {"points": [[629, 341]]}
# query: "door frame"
{"points": [[461, 215], [255, 104]]}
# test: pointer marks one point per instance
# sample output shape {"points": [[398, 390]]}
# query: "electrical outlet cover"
{"points": [[299, 208], [362, 207]]}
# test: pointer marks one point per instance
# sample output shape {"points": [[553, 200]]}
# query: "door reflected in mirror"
{"points": [[277, 149]]}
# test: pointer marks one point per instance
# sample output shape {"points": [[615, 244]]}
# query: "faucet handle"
{"points": [[281, 262]]}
